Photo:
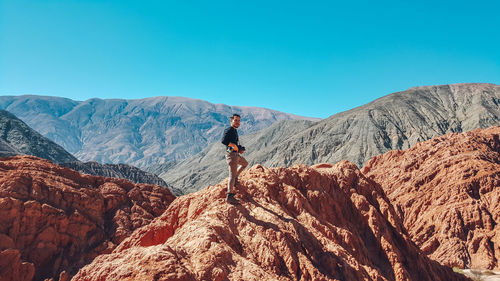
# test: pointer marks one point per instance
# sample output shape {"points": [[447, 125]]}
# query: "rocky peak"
{"points": [[325, 222], [396, 121], [447, 191]]}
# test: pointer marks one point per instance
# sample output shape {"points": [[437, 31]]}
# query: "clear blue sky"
{"points": [[312, 58]]}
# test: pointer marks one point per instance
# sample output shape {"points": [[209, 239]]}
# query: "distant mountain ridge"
{"points": [[138, 132], [395, 121], [17, 138], [121, 171]]}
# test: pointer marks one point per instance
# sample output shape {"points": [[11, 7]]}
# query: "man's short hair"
{"points": [[234, 115]]}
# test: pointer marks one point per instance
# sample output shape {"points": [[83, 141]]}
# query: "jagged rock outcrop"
{"points": [[55, 220], [447, 190], [12, 268], [121, 171], [326, 222], [138, 132], [18, 138], [396, 121]]}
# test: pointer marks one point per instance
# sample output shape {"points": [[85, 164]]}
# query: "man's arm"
{"points": [[226, 137]]}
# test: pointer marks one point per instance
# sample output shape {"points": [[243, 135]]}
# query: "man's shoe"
{"points": [[230, 199]]}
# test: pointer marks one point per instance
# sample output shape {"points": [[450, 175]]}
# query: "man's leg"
{"points": [[242, 162], [232, 162]]}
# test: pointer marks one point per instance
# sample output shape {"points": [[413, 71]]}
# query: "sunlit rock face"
{"points": [[54, 220], [325, 222], [447, 190]]}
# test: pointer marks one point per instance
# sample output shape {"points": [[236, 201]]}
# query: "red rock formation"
{"points": [[12, 268], [326, 222], [53, 219], [447, 190]]}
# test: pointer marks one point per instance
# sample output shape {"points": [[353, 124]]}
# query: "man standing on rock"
{"points": [[235, 161]]}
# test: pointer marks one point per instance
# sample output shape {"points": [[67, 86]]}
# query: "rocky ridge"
{"points": [[447, 190], [121, 171], [18, 138], [325, 222], [54, 220], [396, 121]]}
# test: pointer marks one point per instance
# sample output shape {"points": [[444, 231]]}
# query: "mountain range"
{"points": [[395, 121], [17, 138], [138, 132]]}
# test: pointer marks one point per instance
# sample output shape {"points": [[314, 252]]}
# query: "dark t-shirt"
{"points": [[231, 136]]}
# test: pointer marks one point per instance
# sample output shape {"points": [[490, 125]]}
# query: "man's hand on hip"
{"points": [[233, 146]]}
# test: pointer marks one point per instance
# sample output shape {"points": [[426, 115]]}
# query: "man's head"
{"points": [[235, 120]]}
